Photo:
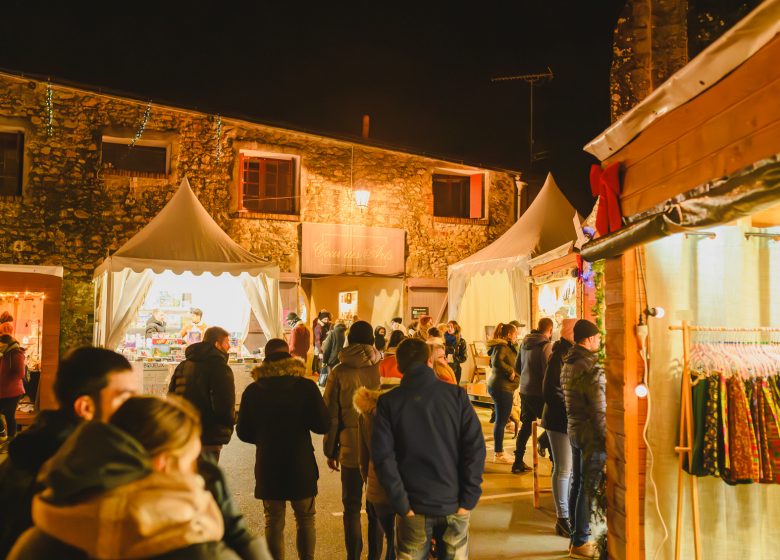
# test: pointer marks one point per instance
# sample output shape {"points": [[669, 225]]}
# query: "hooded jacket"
{"points": [[365, 403], [584, 387], [333, 345], [532, 362], [427, 446], [502, 359], [206, 380], [103, 498], [11, 367], [278, 413], [554, 413], [153, 326], [358, 367], [300, 340]]}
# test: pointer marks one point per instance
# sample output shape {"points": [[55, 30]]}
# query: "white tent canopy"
{"points": [[546, 225], [183, 237]]}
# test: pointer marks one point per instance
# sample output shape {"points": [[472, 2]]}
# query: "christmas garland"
{"points": [[599, 307]]}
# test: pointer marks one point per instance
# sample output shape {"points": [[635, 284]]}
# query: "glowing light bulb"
{"points": [[659, 312], [641, 390]]}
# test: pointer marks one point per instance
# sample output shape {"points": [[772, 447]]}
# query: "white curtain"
{"points": [[126, 291], [266, 302], [488, 299], [727, 281], [518, 280]]}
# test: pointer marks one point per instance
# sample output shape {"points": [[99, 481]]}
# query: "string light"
{"points": [[49, 110], [219, 138], [142, 127]]}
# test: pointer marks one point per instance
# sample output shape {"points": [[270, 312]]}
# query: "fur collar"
{"points": [[288, 366], [365, 400]]}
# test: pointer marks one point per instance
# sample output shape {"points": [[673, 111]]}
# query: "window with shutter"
{"points": [[458, 196], [267, 185]]}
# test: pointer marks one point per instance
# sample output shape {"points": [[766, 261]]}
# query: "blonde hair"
{"points": [[159, 425]]}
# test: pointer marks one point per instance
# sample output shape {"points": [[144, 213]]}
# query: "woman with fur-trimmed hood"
{"points": [[381, 516], [278, 413]]}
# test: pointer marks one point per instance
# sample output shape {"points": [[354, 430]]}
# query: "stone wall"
{"points": [[73, 214]]}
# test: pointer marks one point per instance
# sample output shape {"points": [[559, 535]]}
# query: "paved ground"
{"points": [[504, 524]]}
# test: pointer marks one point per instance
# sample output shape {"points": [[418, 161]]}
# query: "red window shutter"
{"points": [[475, 196], [240, 196]]}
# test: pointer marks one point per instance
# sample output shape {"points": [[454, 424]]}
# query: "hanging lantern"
{"points": [[361, 198]]}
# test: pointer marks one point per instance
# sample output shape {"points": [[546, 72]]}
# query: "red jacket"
{"points": [[388, 367], [300, 340], [11, 368]]}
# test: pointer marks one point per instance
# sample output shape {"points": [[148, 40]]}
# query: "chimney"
{"points": [[366, 123]]}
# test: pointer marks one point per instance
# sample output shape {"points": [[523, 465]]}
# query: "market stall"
{"points": [[182, 262], [491, 285], [692, 419]]}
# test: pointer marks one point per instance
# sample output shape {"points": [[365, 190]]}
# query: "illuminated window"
{"points": [[267, 185], [458, 196], [11, 162]]}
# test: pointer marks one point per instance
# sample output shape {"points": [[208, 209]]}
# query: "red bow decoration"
{"points": [[605, 184], [580, 267]]}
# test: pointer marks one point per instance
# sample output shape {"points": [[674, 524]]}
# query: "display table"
{"points": [[154, 377]]}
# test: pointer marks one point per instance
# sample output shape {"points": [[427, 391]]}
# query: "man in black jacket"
{"points": [[206, 380], [429, 455], [278, 413], [584, 385], [530, 366]]}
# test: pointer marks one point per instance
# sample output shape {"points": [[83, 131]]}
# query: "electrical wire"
{"points": [[651, 461]]}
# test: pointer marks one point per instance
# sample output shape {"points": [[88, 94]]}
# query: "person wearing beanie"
{"points": [[320, 332], [429, 455], [530, 364], [278, 412], [300, 337], [584, 389], [554, 423], [358, 367]]}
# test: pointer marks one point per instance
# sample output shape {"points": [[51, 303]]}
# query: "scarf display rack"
{"points": [[686, 438]]}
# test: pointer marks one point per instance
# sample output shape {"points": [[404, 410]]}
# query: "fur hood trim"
{"points": [[288, 366], [365, 400]]}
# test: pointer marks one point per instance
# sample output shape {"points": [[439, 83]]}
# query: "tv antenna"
{"points": [[531, 80]]}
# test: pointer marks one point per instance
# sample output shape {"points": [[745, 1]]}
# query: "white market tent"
{"points": [[183, 237], [491, 286]]}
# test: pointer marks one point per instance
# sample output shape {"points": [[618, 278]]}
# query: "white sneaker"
{"points": [[503, 458]]}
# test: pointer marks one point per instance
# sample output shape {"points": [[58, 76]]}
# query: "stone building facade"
{"points": [[73, 209]]}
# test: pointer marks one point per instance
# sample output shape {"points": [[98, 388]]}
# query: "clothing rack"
{"points": [[685, 446]]}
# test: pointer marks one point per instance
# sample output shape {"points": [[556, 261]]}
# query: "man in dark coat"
{"points": [[206, 380], [429, 454], [530, 366], [156, 324], [278, 413], [584, 386]]}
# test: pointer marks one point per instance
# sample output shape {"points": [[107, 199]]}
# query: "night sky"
{"points": [[421, 70]]}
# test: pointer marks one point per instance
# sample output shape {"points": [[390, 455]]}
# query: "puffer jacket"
{"points": [[11, 367], [584, 386], [365, 403], [358, 367], [388, 367], [531, 363], [502, 360], [278, 413], [554, 413], [206, 380], [153, 327], [102, 483]]}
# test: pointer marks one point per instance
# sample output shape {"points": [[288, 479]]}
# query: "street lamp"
{"points": [[361, 198]]}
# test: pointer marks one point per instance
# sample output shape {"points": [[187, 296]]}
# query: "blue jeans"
{"points": [[588, 468], [560, 447], [503, 403], [414, 536]]}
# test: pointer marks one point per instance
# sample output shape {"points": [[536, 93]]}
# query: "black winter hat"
{"points": [[584, 329], [361, 333]]}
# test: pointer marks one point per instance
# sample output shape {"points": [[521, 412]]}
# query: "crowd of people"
{"points": [[139, 475]]}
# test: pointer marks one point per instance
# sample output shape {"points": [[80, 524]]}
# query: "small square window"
{"points": [[458, 196], [267, 185], [11, 163], [141, 160]]}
